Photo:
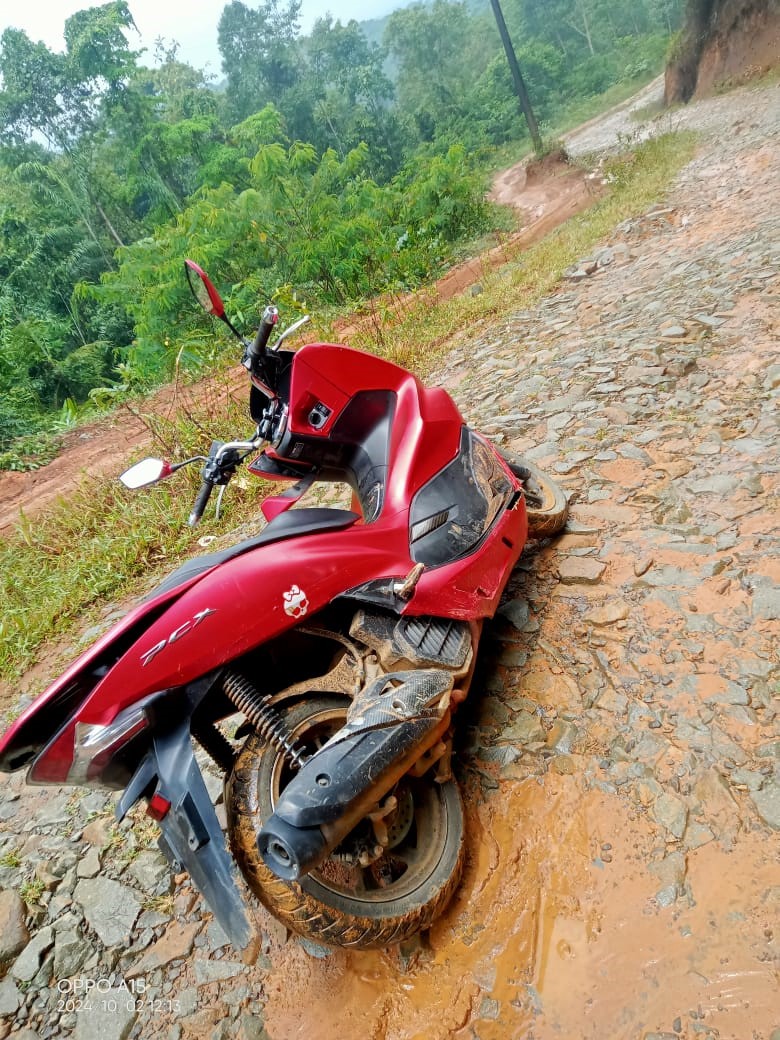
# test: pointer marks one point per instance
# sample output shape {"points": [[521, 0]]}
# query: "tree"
{"points": [[257, 51], [35, 92], [438, 59], [99, 59], [353, 94]]}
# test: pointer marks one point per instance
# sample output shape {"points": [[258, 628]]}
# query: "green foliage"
{"points": [[445, 198], [10, 858], [32, 890], [318, 222], [258, 56], [339, 164]]}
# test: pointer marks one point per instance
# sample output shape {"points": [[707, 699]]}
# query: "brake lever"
{"points": [[240, 449], [218, 507], [289, 331]]}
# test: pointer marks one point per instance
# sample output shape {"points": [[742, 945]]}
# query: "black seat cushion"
{"points": [[289, 524]]}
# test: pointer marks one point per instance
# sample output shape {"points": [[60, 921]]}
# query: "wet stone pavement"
{"points": [[619, 768]]}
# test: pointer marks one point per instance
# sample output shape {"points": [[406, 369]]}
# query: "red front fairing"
{"points": [[221, 614], [425, 427]]}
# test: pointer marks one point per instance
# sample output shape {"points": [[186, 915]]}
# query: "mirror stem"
{"points": [[234, 330]]}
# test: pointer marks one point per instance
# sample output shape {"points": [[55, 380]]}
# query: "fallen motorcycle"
{"points": [[319, 663]]}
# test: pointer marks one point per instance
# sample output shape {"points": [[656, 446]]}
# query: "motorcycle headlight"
{"points": [[453, 512]]}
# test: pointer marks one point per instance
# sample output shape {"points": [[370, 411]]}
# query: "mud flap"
{"points": [[191, 835]]}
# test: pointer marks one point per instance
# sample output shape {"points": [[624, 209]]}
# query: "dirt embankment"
{"points": [[724, 41]]}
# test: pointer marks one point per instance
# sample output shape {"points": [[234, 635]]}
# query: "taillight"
{"points": [[94, 747]]}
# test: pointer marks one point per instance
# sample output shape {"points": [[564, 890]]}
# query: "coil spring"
{"points": [[261, 713]]}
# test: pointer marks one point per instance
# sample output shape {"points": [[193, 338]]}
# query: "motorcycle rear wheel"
{"points": [[546, 504], [340, 903]]}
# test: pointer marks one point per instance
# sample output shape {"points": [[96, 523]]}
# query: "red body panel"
{"points": [[90, 657], [426, 424], [223, 613]]}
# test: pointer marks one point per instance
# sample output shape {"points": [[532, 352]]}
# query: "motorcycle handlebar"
{"points": [[201, 502], [267, 322]]}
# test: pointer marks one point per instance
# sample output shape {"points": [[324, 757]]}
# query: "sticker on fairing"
{"points": [[296, 602]]}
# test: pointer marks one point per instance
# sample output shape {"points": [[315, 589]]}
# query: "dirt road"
{"points": [[619, 770], [623, 801]]}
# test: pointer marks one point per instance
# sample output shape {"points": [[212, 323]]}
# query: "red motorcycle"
{"points": [[319, 663]]}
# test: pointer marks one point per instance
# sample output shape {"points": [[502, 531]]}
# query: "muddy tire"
{"points": [[545, 502], [348, 905]]}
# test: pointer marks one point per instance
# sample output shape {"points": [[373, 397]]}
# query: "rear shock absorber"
{"points": [[261, 713]]}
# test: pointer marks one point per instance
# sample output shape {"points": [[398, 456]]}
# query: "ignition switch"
{"points": [[319, 415]]}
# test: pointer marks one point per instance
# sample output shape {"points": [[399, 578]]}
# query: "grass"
{"points": [[31, 891], [159, 904], [10, 859], [420, 335], [103, 542]]}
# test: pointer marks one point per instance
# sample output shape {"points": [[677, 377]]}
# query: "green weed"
{"points": [[31, 891]]}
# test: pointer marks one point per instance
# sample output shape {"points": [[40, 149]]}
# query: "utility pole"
{"points": [[517, 76]]}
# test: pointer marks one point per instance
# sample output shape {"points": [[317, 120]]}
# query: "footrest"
{"points": [[420, 640]]}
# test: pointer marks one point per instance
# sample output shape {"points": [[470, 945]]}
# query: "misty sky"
{"points": [[192, 22]]}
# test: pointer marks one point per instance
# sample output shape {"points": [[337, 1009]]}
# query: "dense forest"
{"points": [[327, 167]]}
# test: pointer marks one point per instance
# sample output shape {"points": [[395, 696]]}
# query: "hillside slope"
{"points": [[723, 41]]}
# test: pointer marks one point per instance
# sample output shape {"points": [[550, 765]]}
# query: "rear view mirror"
{"points": [[148, 471], [203, 290]]}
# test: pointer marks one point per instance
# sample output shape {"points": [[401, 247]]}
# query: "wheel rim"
{"points": [[416, 844], [538, 495]]}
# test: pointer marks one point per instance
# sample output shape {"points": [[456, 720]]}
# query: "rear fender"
{"points": [[192, 838], [38, 723]]}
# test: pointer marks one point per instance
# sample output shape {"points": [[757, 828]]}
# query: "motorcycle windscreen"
{"points": [[454, 511]]}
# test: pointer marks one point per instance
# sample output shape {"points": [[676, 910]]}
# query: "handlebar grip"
{"points": [[201, 502], [267, 323]]}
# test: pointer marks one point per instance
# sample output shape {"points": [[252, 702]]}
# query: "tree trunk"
{"points": [[584, 14], [109, 225], [585, 30]]}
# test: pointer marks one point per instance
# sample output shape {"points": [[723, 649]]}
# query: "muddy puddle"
{"points": [[556, 933]]}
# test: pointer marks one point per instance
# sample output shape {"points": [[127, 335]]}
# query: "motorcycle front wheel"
{"points": [[546, 504], [383, 901]]}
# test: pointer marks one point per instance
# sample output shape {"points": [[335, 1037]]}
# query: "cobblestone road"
{"points": [[619, 771]]}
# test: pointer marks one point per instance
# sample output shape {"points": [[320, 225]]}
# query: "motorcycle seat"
{"points": [[289, 524]]}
